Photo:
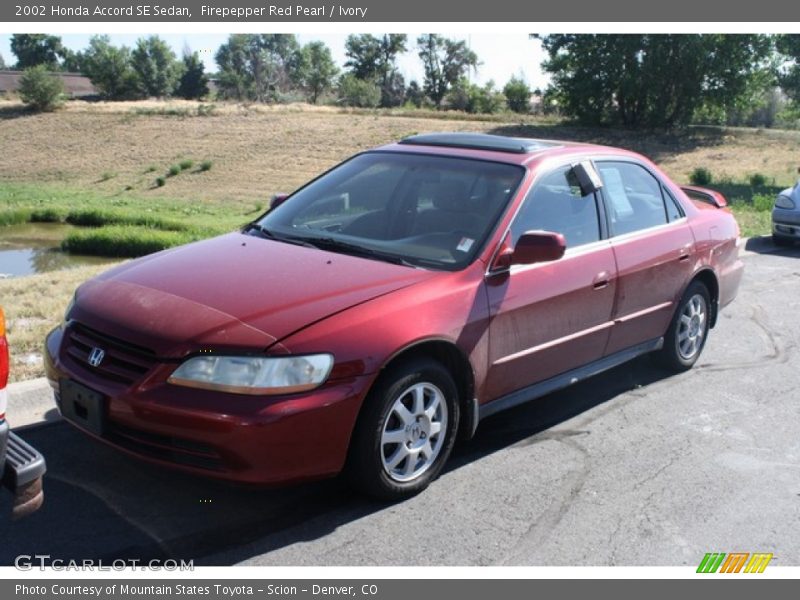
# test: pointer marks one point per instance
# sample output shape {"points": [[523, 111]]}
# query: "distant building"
{"points": [[75, 84]]}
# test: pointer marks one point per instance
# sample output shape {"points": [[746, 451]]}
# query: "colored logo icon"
{"points": [[737, 562]]}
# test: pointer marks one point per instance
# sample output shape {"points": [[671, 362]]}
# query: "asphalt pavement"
{"points": [[633, 467]]}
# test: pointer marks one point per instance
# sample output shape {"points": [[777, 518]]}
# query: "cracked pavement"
{"points": [[632, 467]]}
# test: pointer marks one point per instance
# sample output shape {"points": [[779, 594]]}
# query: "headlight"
{"points": [[784, 202], [254, 375]]}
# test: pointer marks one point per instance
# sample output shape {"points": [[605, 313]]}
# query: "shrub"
{"points": [[186, 164], [700, 176], [41, 90], [173, 170], [758, 180], [161, 181], [206, 165], [151, 169], [358, 93], [106, 175], [763, 202], [473, 98], [206, 110]]}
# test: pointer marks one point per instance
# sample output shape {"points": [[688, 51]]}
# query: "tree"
{"points": [[40, 89], [156, 67], [415, 95], [257, 67], [789, 77], [445, 62], [315, 70], [358, 92], [2, 63], [193, 83], [518, 95], [653, 80], [32, 49], [109, 68], [71, 61], [374, 59]]}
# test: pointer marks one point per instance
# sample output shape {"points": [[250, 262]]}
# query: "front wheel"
{"points": [[688, 330], [405, 432]]}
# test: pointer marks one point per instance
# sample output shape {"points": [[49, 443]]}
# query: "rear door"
{"points": [[552, 317], [653, 248]]}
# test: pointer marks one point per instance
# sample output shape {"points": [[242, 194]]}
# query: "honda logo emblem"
{"points": [[96, 356]]}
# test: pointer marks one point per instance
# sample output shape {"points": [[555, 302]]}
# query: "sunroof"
{"points": [[477, 141]]}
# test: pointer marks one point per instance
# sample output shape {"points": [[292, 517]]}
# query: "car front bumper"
{"points": [[786, 223], [262, 440], [21, 470]]}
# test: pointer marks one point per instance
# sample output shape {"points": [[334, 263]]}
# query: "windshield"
{"points": [[422, 210]]}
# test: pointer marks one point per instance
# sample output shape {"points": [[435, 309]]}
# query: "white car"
{"points": [[786, 216]]}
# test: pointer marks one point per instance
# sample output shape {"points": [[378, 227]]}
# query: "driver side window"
{"points": [[555, 203]]}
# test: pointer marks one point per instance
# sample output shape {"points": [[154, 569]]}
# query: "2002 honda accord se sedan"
{"points": [[383, 309]]}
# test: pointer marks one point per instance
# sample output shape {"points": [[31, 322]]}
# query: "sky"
{"points": [[501, 55]]}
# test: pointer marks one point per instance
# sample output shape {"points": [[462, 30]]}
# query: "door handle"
{"points": [[601, 280], [684, 253]]}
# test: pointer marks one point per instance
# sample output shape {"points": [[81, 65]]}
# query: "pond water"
{"points": [[35, 248]]}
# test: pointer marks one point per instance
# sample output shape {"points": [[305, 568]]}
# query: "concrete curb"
{"points": [[31, 403]]}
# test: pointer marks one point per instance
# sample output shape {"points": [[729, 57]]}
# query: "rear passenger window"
{"points": [[555, 204], [633, 196]]}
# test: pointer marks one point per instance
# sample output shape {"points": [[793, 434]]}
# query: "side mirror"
{"points": [[538, 246], [277, 200], [587, 177]]}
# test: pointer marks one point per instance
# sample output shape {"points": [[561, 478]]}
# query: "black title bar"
{"points": [[441, 11]]}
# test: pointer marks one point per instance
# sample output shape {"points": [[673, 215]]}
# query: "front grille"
{"points": [[123, 363], [166, 448]]}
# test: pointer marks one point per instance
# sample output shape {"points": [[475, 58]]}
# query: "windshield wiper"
{"points": [[260, 229], [278, 238], [356, 250]]}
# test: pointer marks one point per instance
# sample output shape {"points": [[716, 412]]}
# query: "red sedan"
{"points": [[385, 308]]}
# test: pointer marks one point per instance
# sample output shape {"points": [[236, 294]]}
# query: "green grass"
{"points": [[751, 205], [125, 241], [754, 220], [117, 225]]}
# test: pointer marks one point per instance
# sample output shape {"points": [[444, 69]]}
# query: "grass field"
{"points": [[147, 175]]}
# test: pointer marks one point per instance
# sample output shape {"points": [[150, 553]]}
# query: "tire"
{"points": [[779, 240], [405, 432], [688, 331]]}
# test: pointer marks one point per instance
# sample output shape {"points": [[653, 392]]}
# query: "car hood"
{"points": [[234, 291], [792, 192]]}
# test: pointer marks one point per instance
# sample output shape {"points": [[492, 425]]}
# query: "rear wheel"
{"points": [[405, 432], [688, 330]]}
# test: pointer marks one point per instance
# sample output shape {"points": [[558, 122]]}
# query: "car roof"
{"points": [[498, 148]]}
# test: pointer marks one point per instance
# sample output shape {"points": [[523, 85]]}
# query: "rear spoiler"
{"points": [[705, 195]]}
